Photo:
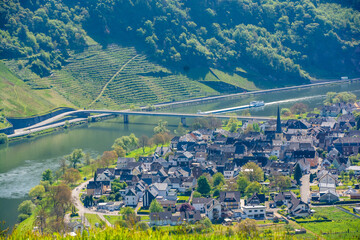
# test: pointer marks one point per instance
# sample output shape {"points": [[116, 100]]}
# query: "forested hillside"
{"points": [[281, 40]]}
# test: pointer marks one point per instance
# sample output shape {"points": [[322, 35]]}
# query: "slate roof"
{"points": [[230, 196]]}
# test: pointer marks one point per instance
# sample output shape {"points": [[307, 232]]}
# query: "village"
{"points": [[276, 172]]}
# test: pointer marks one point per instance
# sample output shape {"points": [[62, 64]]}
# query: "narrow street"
{"points": [[305, 188], [75, 195]]}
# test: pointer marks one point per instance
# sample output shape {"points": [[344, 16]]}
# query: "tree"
{"points": [[253, 187], [351, 174], [155, 207], [63, 165], [285, 112], [232, 124], [161, 138], [161, 127], [196, 194], [185, 207], [299, 108], [75, 157], [72, 176], [129, 216], [282, 182], [128, 143], [180, 131], [37, 192], [126, 211], [120, 151], [144, 141], [297, 173], [248, 227], [3, 138], [242, 184], [60, 198], [256, 127], [87, 159], [108, 158], [218, 179], [273, 158], [26, 207], [47, 176], [253, 172], [142, 226], [203, 185]]}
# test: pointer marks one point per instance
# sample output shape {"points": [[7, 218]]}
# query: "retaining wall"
{"points": [[25, 122]]}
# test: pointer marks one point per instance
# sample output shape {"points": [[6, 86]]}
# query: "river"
{"points": [[22, 163]]}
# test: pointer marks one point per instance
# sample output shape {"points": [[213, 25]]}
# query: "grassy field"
{"points": [[93, 219], [342, 226], [18, 99], [112, 218]]}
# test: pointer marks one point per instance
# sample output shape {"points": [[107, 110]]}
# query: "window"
{"points": [[250, 210]]}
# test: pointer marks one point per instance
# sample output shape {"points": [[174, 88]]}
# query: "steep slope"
{"points": [[18, 99]]}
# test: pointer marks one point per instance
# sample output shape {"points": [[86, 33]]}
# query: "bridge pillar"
{"points": [[126, 118], [183, 121]]}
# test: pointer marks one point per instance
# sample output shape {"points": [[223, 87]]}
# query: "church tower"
{"points": [[278, 133]]}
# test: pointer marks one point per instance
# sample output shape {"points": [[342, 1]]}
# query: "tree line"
{"points": [[278, 39]]}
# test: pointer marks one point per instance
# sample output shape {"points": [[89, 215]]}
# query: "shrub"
{"points": [[3, 138]]}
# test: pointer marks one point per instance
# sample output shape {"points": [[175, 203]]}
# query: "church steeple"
{"points": [[279, 133], [278, 121]]}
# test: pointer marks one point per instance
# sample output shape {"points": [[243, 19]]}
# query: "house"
{"points": [[123, 161], [355, 195], [347, 145], [329, 196], [284, 198], [199, 203], [109, 206], [296, 206], [327, 182], [148, 197], [166, 218], [104, 174], [255, 199], [230, 199], [94, 188], [254, 211], [304, 165], [213, 209], [161, 188], [299, 209], [131, 198], [161, 219], [356, 170], [330, 111], [231, 170]]}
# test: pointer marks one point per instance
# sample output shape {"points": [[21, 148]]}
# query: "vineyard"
{"points": [[116, 77]]}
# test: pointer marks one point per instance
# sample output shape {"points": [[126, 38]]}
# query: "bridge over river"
{"points": [[56, 121]]}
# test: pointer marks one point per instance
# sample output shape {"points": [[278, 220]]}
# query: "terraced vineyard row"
{"points": [[139, 82], [82, 79], [136, 85]]}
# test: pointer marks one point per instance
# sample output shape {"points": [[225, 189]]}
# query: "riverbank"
{"points": [[87, 172], [56, 117]]}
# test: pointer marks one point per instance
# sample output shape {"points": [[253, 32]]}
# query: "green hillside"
{"points": [[18, 99], [111, 54]]}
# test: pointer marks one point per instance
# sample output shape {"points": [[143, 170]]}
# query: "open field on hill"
{"points": [[17, 99]]}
